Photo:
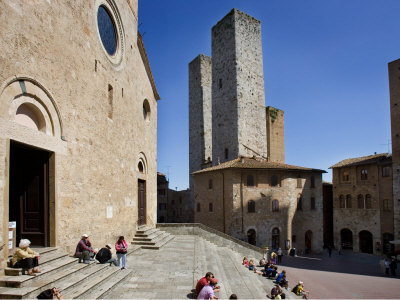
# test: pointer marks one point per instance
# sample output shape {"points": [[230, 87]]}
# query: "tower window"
{"points": [[220, 83], [226, 153], [312, 203], [210, 184], [251, 207], [210, 207]]}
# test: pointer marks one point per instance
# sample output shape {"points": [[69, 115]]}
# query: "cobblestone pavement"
{"points": [[172, 272]]}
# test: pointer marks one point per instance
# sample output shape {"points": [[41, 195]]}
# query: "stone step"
{"points": [[145, 232], [105, 287], [90, 282], [47, 269], [152, 241], [148, 237], [166, 238]]}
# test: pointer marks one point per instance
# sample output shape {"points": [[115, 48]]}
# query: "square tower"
{"points": [[238, 99]]}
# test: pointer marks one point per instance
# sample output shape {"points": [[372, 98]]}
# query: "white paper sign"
{"points": [[10, 235], [109, 212], [12, 224], [10, 244]]}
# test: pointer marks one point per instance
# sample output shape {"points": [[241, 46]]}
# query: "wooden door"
{"points": [[29, 193], [141, 202]]}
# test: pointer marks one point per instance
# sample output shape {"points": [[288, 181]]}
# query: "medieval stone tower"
{"points": [[227, 113]]}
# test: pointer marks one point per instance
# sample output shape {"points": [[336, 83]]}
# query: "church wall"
{"points": [[57, 46]]}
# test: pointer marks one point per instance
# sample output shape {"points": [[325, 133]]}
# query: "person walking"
{"points": [[122, 248], [280, 254]]}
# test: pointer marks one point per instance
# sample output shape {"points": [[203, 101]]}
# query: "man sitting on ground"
{"points": [[104, 256], [203, 281], [299, 290], [84, 250], [207, 292]]}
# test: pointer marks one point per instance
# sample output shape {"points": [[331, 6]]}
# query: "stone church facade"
{"points": [[78, 122], [239, 180]]}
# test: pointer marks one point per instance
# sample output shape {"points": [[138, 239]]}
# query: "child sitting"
{"points": [[245, 262]]}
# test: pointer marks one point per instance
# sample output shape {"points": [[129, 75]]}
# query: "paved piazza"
{"points": [[173, 271]]}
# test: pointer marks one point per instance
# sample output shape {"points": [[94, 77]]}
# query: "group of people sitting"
{"points": [[207, 286], [28, 260], [85, 252], [268, 269]]}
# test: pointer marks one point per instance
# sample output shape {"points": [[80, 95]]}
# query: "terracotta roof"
{"points": [[253, 163], [363, 160]]}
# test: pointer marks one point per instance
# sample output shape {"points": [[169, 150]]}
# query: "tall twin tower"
{"points": [[227, 113]]}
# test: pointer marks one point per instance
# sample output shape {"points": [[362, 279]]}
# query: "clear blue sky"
{"points": [[325, 65]]}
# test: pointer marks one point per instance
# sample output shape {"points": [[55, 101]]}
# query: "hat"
{"points": [[214, 280], [109, 246], [85, 235], [300, 282]]}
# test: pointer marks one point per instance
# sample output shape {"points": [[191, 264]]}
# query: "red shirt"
{"points": [[200, 284]]}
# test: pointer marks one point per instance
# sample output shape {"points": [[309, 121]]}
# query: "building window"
{"points": [[364, 174], [162, 206], [107, 30], [220, 83], [341, 202], [251, 207], [386, 204], [210, 184], [274, 180], [345, 176], [146, 110], [360, 201], [250, 180], [312, 182], [385, 171], [299, 183], [210, 207], [300, 203], [161, 192], [293, 239], [368, 201], [180, 199], [173, 201], [226, 153], [348, 201], [275, 205], [312, 203], [198, 207], [174, 213]]}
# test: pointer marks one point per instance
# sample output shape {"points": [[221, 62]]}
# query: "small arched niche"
{"points": [[29, 115]]}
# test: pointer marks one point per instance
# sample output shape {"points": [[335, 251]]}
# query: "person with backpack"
{"points": [[122, 248], [104, 256], [50, 294]]}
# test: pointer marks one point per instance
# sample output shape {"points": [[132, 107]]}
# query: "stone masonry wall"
{"points": [[394, 88], [275, 134], [57, 46]]}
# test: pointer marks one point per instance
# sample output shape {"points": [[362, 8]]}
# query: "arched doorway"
{"points": [[346, 238], [275, 238], [366, 243], [388, 247], [308, 241], [251, 237]]}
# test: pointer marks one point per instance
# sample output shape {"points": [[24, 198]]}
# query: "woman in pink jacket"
{"points": [[122, 247]]}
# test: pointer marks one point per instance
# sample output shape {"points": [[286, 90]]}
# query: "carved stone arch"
{"points": [[142, 163], [24, 92]]}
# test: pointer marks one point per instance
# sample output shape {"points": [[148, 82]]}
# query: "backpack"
{"points": [[47, 294], [294, 290]]}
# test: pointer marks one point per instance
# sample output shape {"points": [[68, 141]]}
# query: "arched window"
{"points": [[368, 201], [360, 201], [250, 180], [210, 207], [348, 201], [251, 237], [345, 176], [341, 202], [140, 167], [364, 174], [251, 206], [275, 205], [274, 180], [300, 203]]}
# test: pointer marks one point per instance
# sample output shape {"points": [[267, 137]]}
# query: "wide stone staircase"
{"points": [[74, 280], [151, 238]]}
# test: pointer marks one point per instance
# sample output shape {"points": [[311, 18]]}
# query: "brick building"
{"points": [[363, 203], [78, 122]]}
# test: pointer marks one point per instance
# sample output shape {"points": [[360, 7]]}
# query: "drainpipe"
{"points": [[241, 198], [223, 201]]}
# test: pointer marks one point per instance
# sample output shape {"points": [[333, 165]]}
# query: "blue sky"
{"points": [[325, 65]]}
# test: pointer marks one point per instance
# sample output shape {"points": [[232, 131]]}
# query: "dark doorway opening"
{"points": [[366, 242], [388, 247], [275, 238], [308, 241], [29, 193], [141, 202], [251, 237], [346, 238]]}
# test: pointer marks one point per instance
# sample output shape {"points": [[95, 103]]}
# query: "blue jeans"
{"points": [[121, 259]]}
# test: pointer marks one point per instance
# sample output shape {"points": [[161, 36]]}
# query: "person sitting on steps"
{"points": [[26, 258], [84, 250], [104, 256]]}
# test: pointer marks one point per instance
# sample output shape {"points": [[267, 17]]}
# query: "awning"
{"points": [[395, 242]]}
